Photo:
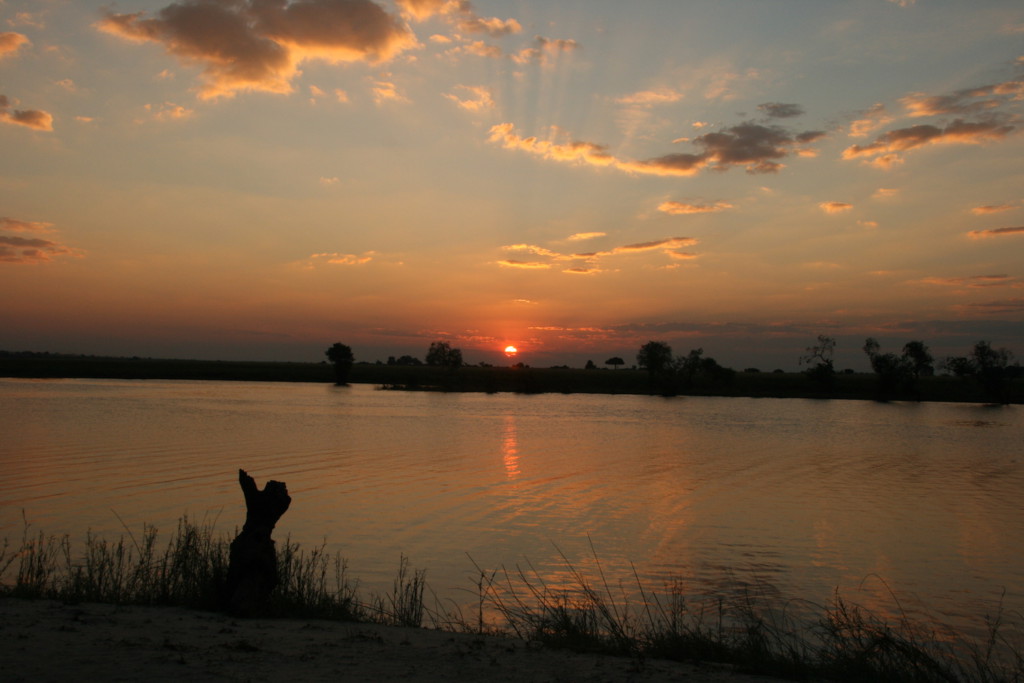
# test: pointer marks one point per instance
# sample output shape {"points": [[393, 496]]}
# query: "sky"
{"points": [[258, 179]]}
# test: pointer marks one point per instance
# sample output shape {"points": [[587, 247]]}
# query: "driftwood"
{"points": [[252, 570]]}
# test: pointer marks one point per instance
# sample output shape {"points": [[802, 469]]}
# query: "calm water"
{"points": [[797, 497]]}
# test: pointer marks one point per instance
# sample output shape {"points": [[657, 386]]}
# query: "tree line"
{"points": [[994, 369]]}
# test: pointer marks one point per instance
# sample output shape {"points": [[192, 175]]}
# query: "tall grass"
{"points": [[755, 632]]}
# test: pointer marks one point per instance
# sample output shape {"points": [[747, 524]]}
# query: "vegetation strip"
{"points": [[754, 633]]}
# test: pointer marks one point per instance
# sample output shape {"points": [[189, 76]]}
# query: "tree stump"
{"points": [[252, 569]]}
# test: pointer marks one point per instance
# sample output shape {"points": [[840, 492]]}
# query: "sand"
{"points": [[42, 640]]}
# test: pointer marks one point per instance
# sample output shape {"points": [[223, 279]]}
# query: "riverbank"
{"points": [[46, 640], [855, 386]]}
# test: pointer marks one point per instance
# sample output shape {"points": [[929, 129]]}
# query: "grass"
{"points": [[755, 632]]}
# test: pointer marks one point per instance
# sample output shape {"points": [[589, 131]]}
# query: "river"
{"points": [[899, 506]]}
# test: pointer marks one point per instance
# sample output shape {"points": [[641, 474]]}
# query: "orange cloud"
{"points": [[834, 207], [168, 111], [460, 13], [544, 51], [11, 42], [338, 259], [754, 146], [974, 281], [669, 246], [586, 152], [15, 225], [967, 101], [992, 208], [995, 232], [651, 97], [480, 99], [683, 208], [579, 236], [905, 139], [254, 45], [525, 265], [872, 119], [30, 250], [36, 119]]}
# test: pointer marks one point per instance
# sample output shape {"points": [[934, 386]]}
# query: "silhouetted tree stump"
{"points": [[252, 570]]}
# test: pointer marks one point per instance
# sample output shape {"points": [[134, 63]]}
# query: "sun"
{"points": [[511, 350]]}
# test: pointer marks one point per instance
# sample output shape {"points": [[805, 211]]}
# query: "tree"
{"points": [[656, 356], [590, 365], [994, 369], [890, 368], [921, 361], [820, 354], [441, 353], [615, 362], [341, 355]]}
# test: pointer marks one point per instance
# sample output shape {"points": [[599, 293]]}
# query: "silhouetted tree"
{"points": [[688, 366], [656, 356], [921, 361], [958, 366], [891, 369], [994, 369], [615, 362], [823, 371], [441, 353], [341, 356], [590, 365]]}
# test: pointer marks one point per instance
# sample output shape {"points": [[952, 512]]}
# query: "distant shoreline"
{"points": [[526, 380]]}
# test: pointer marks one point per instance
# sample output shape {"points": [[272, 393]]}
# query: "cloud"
{"points": [[756, 147], [1005, 306], [995, 232], [751, 145], [871, 120], [480, 99], [835, 207], [30, 250], [966, 101], [478, 48], [386, 91], [974, 281], [338, 259], [544, 51], [36, 119], [461, 14], [587, 262], [777, 110], [168, 111], [11, 42], [646, 98], [524, 265], [728, 85], [580, 236], [258, 44], [585, 152], [904, 139], [683, 208], [992, 208], [492, 26], [16, 225]]}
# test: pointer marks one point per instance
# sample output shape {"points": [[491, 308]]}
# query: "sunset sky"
{"points": [[257, 179]]}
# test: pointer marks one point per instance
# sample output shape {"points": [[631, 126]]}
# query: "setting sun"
{"points": [[511, 350]]}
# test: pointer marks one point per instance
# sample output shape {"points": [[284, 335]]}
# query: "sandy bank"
{"points": [[47, 641]]}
